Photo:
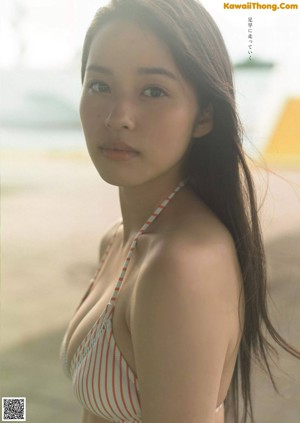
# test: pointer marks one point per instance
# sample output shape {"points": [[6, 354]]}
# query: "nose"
{"points": [[120, 116]]}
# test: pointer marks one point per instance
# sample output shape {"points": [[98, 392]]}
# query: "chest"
{"points": [[99, 296]]}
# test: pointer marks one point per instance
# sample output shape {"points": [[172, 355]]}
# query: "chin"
{"points": [[119, 180]]}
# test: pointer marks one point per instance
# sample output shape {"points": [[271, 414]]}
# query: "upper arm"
{"points": [[184, 315]]}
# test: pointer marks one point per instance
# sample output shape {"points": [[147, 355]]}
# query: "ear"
{"points": [[204, 123]]}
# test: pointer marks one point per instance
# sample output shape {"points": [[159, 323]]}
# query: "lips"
{"points": [[117, 146], [117, 150]]}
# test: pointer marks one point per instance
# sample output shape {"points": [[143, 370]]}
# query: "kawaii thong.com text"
{"points": [[260, 6]]}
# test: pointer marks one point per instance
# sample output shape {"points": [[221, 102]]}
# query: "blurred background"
{"points": [[54, 207]]}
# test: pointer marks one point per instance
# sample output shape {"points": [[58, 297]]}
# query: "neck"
{"points": [[139, 202]]}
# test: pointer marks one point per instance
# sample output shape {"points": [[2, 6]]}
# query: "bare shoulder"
{"points": [[192, 269], [199, 257], [185, 317], [107, 237]]}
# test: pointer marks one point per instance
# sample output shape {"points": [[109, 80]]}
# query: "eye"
{"points": [[99, 87], [154, 92]]}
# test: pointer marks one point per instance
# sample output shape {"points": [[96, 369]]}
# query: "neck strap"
{"points": [[146, 225]]}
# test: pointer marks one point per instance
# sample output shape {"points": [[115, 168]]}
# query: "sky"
{"points": [[49, 33]]}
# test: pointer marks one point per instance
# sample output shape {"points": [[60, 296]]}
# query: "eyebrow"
{"points": [[141, 71], [157, 71], [99, 69]]}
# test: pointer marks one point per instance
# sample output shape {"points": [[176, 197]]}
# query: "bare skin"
{"points": [[183, 283], [192, 217]]}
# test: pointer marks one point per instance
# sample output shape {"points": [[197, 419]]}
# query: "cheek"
{"points": [[83, 111], [175, 126], [90, 116], [85, 108]]}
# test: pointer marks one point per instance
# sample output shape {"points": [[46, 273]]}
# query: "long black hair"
{"points": [[216, 165]]}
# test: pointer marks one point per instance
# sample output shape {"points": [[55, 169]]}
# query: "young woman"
{"points": [[174, 314]]}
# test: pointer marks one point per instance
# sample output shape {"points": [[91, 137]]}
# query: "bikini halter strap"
{"points": [[146, 225]]}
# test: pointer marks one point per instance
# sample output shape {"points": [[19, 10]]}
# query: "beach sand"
{"points": [[54, 211]]}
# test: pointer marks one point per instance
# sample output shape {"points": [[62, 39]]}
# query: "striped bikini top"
{"points": [[102, 380]]}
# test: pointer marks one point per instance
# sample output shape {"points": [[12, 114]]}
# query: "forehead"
{"points": [[127, 44]]}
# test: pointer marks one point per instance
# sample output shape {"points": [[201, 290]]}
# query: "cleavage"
{"points": [[94, 305]]}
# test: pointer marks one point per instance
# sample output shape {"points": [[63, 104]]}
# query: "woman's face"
{"points": [[138, 113]]}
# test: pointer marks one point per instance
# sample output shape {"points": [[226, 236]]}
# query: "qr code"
{"points": [[13, 409]]}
